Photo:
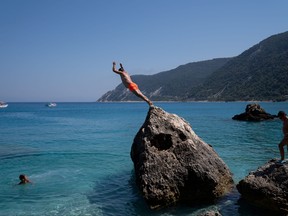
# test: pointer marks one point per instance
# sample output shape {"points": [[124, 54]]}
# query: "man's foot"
{"points": [[282, 161]]}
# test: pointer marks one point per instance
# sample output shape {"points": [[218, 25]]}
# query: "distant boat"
{"points": [[3, 104], [51, 105]]}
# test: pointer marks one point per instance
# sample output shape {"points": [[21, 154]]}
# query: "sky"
{"points": [[62, 50]]}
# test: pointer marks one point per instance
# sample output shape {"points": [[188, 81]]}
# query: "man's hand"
{"points": [[121, 66]]}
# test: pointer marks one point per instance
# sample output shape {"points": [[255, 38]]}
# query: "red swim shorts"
{"points": [[133, 86]]}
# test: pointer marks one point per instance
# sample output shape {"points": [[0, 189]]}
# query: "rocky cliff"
{"points": [[172, 164]]}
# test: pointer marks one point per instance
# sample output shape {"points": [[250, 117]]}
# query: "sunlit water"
{"points": [[78, 155]]}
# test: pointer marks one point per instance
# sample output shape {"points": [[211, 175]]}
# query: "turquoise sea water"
{"points": [[78, 155]]}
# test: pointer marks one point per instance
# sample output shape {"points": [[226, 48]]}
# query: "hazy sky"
{"points": [[62, 50]]}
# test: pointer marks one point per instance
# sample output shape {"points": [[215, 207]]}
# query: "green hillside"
{"points": [[259, 73]]}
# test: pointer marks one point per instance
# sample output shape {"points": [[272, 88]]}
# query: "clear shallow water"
{"points": [[78, 155]]}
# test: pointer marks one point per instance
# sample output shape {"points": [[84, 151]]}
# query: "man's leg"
{"points": [[138, 93], [281, 147]]}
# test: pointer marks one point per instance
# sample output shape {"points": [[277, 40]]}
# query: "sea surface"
{"points": [[78, 155]]}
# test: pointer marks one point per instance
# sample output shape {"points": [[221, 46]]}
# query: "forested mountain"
{"points": [[259, 73]]}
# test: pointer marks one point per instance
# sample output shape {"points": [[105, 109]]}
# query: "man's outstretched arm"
{"points": [[114, 68]]}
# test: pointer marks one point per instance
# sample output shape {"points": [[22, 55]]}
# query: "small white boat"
{"points": [[3, 105], [51, 105]]}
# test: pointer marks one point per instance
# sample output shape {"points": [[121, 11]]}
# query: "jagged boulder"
{"points": [[172, 164], [254, 112], [267, 187]]}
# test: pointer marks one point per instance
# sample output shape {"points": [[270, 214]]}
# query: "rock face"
{"points": [[172, 164], [267, 187], [253, 112]]}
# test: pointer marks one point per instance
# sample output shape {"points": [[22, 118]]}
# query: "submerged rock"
{"points": [[172, 164], [267, 187], [210, 213], [254, 112]]}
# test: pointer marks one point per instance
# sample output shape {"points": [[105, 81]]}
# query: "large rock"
{"points": [[254, 112], [267, 187], [173, 164]]}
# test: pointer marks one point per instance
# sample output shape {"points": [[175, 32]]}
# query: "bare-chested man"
{"points": [[284, 118], [128, 83]]}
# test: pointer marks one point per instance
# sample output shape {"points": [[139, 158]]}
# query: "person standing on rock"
{"points": [[284, 118], [128, 83]]}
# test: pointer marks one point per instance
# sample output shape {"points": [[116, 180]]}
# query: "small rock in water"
{"points": [[254, 112]]}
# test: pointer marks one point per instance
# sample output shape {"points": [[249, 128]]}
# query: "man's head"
{"points": [[281, 114], [23, 178]]}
